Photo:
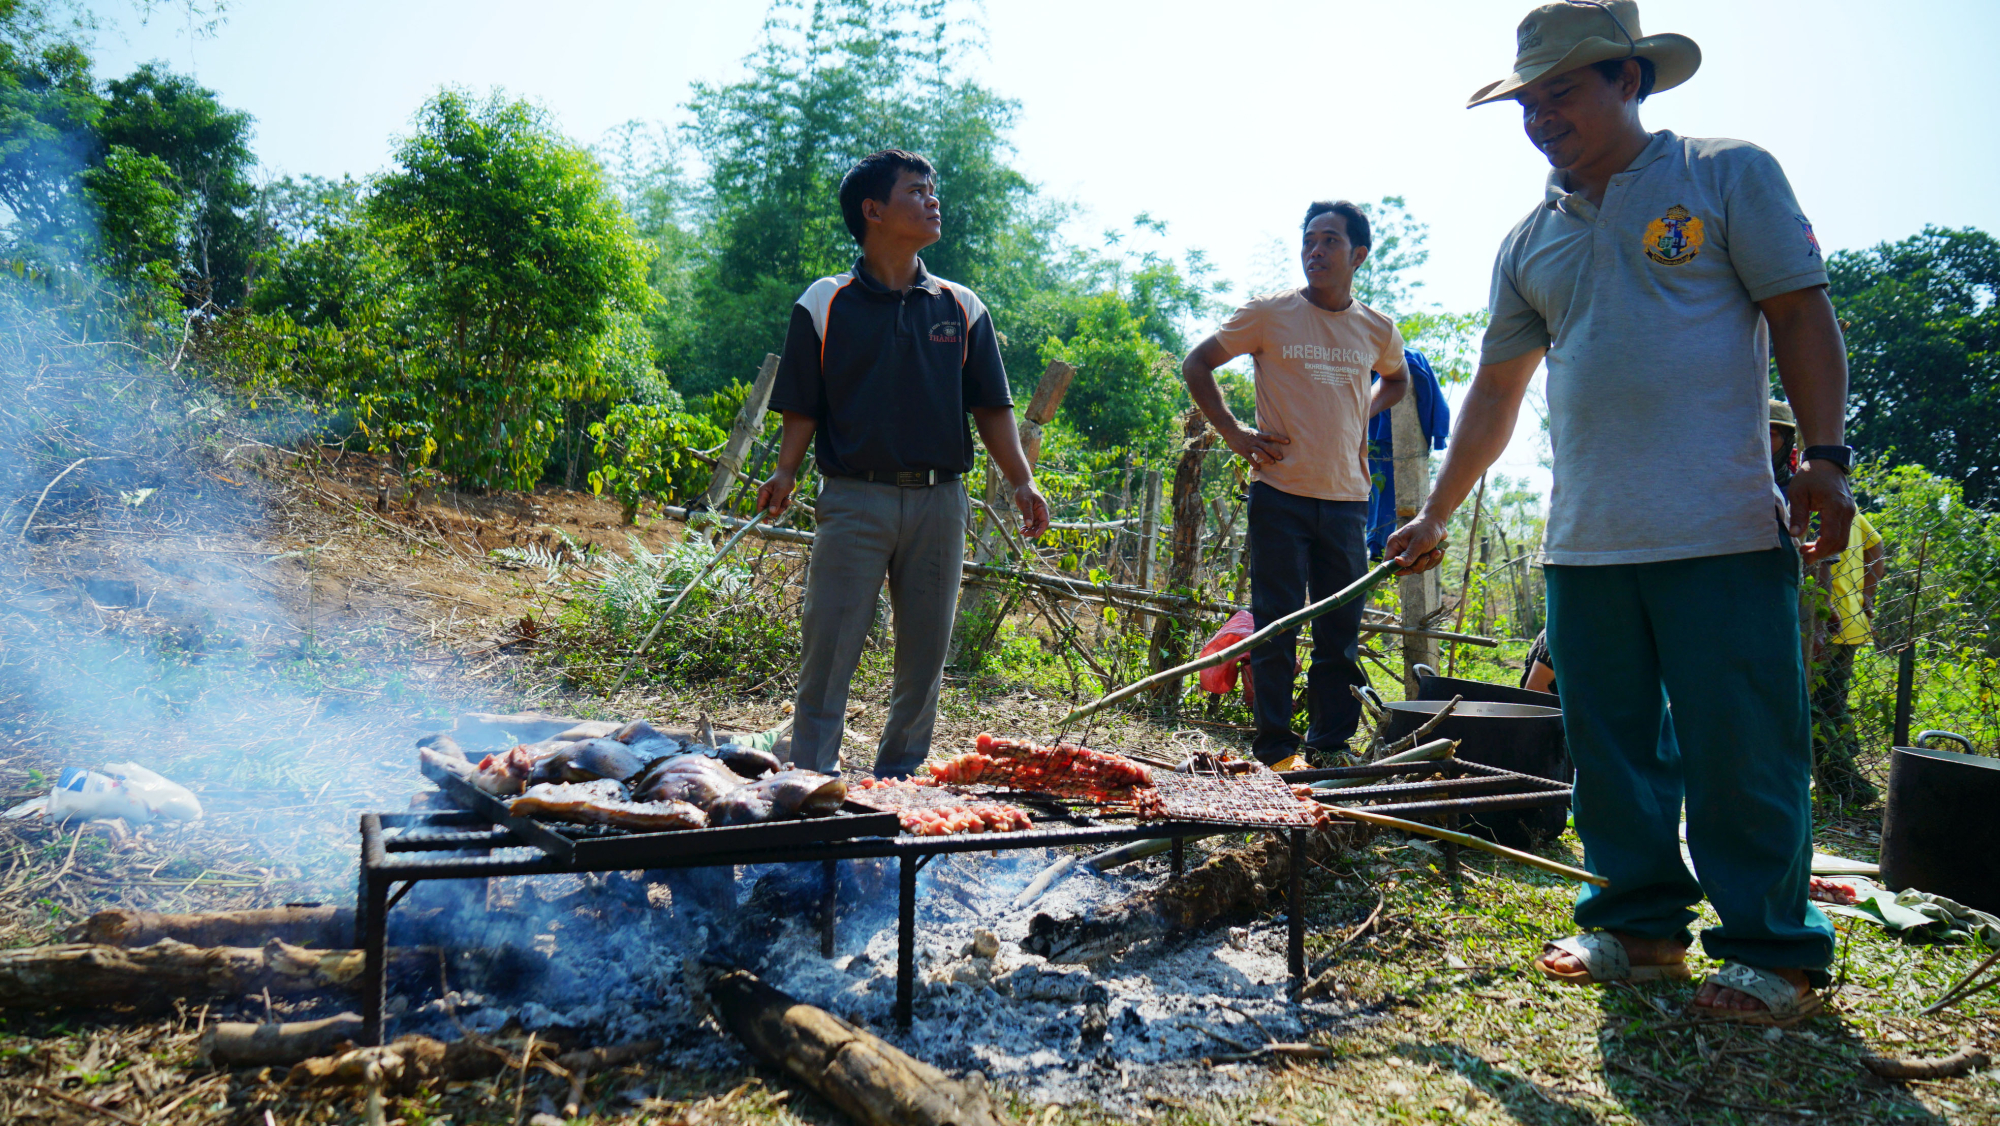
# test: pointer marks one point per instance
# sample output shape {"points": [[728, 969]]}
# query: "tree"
{"points": [[48, 118], [830, 83], [157, 113], [1923, 338], [520, 281], [1128, 390]]}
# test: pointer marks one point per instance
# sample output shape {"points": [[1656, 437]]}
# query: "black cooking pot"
{"points": [[1519, 737], [1939, 831], [1431, 686]]}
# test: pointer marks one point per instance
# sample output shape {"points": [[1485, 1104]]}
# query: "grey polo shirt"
{"points": [[1658, 354]]}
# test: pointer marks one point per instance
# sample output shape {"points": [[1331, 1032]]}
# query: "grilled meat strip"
{"points": [[603, 802]]}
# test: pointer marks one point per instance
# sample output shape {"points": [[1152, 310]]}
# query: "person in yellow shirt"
{"points": [[1852, 595], [1851, 580]]}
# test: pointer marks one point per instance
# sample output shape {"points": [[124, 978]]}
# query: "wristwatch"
{"points": [[1840, 457]]}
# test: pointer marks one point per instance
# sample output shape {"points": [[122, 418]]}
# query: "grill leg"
{"points": [[373, 924], [906, 939], [1295, 909], [829, 896], [1451, 865], [1180, 857]]}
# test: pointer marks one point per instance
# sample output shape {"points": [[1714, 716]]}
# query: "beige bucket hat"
{"points": [[1781, 415], [1568, 34]]}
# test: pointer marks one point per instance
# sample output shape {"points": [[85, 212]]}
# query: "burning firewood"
{"points": [[306, 926], [90, 975], [1234, 882], [860, 1073]]}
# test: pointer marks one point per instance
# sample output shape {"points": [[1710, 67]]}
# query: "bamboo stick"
{"points": [[1354, 590], [721, 554], [1470, 841]]}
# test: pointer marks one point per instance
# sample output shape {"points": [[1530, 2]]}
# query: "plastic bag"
{"points": [[123, 789], [1222, 678]]}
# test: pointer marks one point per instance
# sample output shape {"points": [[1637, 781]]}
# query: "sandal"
{"points": [[1604, 960], [1784, 1005]]}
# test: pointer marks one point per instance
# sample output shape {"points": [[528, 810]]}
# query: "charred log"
{"points": [[1238, 881], [867, 1077], [237, 1044], [94, 976], [331, 927]]}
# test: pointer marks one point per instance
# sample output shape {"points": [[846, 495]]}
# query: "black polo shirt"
{"points": [[890, 375]]}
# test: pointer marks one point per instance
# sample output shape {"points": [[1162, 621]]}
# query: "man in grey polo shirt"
{"points": [[1657, 276]]}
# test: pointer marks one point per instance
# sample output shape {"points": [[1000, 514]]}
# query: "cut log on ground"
{"points": [[94, 976], [870, 1079], [1238, 881], [331, 927], [240, 1044], [407, 1065]]}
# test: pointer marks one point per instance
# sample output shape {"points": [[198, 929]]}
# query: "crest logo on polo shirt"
{"points": [[944, 332], [1812, 240], [1674, 238]]}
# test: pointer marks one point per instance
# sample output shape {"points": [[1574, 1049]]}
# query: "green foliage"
{"points": [[1387, 281], [1923, 338], [1128, 391], [49, 110], [643, 451], [514, 267], [139, 215]]}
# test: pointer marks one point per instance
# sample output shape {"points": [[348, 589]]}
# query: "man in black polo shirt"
{"points": [[881, 366]]}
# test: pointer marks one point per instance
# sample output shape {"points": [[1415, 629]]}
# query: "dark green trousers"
{"points": [[1718, 637]]}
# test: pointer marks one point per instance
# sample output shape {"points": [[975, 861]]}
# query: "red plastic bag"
{"points": [[1222, 678]]}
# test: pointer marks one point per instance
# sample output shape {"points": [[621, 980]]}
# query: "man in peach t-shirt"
{"points": [[1313, 349]]}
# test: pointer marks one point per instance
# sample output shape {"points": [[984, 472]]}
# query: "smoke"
{"points": [[164, 600]]}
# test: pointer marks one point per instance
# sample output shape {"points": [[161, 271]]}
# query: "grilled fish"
{"points": [[748, 761], [587, 761], [787, 794], [603, 802], [505, 773], [690, 778]]}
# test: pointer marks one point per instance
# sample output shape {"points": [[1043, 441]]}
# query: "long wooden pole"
{"points": [[721, 554], [1470, 841], [1354, 590]]}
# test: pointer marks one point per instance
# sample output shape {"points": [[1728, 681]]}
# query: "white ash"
{"points": [[1156, 1012]]}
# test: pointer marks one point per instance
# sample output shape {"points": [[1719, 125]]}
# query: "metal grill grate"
{"points": [[1257, 797]]}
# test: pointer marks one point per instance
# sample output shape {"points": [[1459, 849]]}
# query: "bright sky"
{"points": [[1221, 119]]}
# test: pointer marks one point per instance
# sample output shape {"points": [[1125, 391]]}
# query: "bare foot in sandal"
{"points": [[1644, 958], [1713, 996]]}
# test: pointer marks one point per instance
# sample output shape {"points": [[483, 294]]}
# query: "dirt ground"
{"points": [[274, 637]]}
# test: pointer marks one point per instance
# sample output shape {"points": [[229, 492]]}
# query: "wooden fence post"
{"points": [[1418, 593], [749, 421], [1149, 534], [1184, 555]]}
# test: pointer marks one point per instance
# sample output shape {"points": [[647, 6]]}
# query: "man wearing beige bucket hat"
{"points": [[1657, 277]]}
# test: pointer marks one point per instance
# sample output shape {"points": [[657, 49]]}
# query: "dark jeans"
{"points": [[1302, 549]]}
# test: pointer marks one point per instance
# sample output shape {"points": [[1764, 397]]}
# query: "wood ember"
{"points": [[306, 926], [870, 1079], [90, 975], [1236, 881]]}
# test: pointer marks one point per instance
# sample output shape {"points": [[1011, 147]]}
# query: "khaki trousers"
{"points": [[868, 531]]}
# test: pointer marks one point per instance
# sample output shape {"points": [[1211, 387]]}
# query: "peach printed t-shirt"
{"points": [[1312, 386]]}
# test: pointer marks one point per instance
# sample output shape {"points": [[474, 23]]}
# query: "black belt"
{"points": [[904, 479]]}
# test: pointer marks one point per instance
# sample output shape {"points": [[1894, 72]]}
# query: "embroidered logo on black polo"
{"points": [[944, 332], [1674, 238]]}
